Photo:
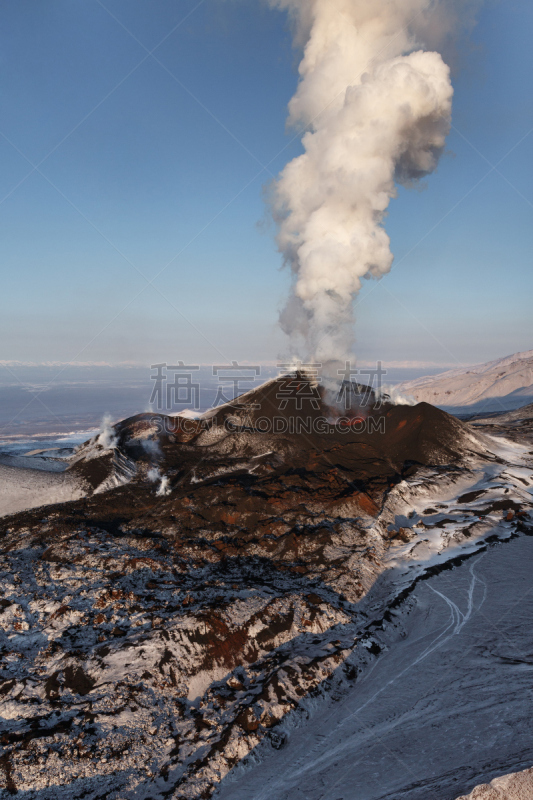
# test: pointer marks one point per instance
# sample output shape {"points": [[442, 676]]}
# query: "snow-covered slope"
{"points": [[22, 489], [500, 385], [445, 706]]}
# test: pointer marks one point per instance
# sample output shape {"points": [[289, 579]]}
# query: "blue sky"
{"points": [[118, 168]]}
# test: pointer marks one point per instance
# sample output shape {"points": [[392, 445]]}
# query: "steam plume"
{"points": [[377, 109], [107, 438]]}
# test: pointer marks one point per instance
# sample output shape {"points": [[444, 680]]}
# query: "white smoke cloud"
{"points": [[391, 394], [152, 448], [377, 108], [154, 476], [107, 437]]}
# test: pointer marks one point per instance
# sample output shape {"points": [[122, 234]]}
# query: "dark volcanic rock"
{"points": [[283, 425], [162, 626]]}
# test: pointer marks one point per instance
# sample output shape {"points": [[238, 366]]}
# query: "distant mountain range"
{"points": [[501, 385]]}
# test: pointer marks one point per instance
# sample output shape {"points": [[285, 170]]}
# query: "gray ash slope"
{"points": [[216, 577]]}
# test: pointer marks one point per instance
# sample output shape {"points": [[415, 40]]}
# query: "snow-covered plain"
{"points": [[500, 385]]}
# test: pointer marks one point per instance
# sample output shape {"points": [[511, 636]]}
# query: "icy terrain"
{"points": [[448, 700], [500, 385]]}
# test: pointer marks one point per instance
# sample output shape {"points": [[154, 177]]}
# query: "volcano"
{"points": [[283, 425], [220, 570]]}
